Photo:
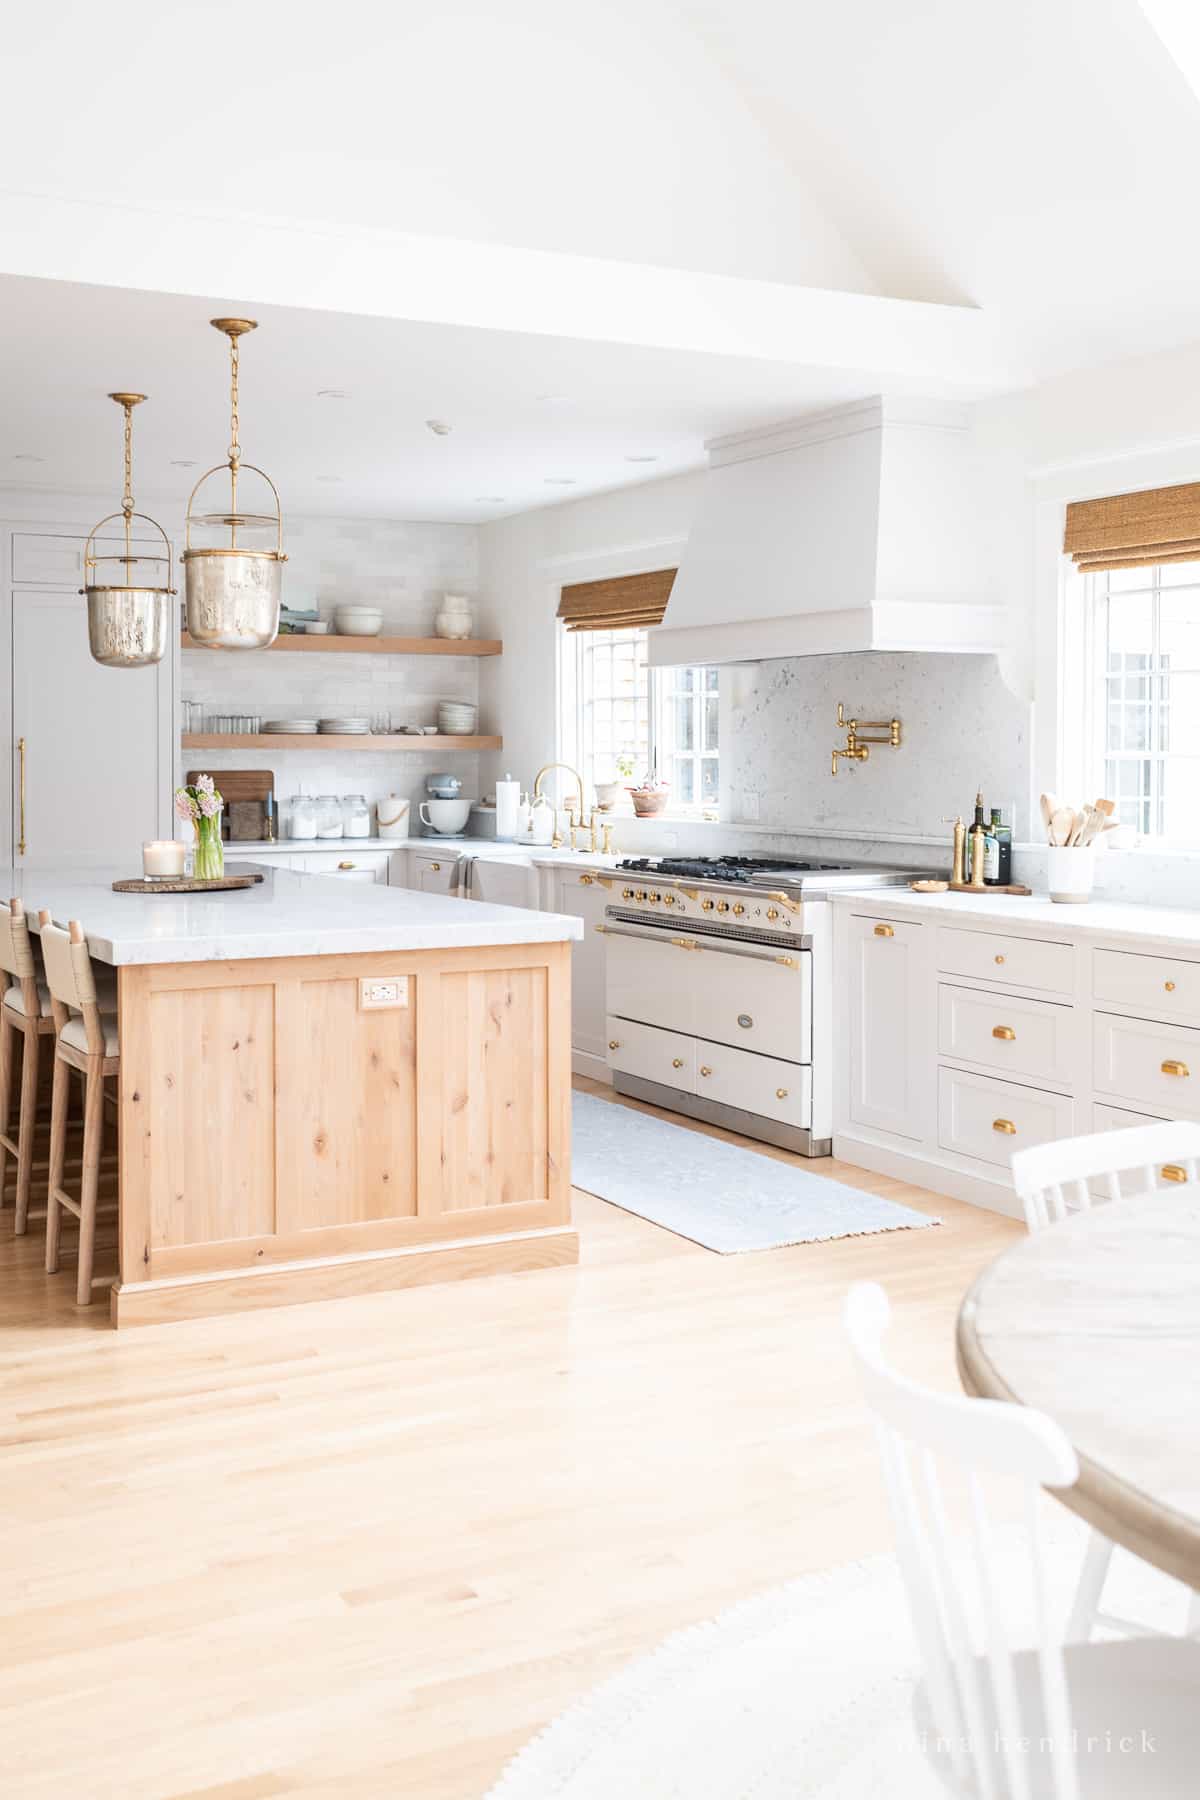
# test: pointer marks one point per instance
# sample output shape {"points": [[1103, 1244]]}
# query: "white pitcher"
{"points": [[454, 619]]}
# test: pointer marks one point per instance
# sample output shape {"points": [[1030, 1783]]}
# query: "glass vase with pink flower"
{"points": [[199, 804]]}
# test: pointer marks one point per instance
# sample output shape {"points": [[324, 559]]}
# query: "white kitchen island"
{"points": [[328, 1089]]}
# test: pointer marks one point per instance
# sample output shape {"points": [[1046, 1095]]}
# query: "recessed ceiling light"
{"points": [[560, 481], [329, 478], [332, 394], [438, 427], [183, 462], [641, 459], [27, 456], [489, 499]]}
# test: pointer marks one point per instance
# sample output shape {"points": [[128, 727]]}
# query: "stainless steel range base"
{"points": [[732, 1118]]}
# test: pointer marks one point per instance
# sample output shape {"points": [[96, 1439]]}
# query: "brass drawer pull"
{"points": [[997, 959], [1173, 1172], [1006, 1126], [704, 1069], [1171, 1067], [585, 880], [434, 867], [686, 944], [1169, 986], [885, 931], [781, 1093], [345, 865], [1005, 1033], [677, 1062], [614, 1043]]}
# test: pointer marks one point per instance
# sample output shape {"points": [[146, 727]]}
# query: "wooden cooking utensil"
{"points": [[1049, 808], [1062, 823]]}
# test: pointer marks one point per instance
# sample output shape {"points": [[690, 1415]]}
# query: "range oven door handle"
{"points": [[690, 943]]}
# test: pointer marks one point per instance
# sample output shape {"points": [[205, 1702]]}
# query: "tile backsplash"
{"points": [[402, 568]]}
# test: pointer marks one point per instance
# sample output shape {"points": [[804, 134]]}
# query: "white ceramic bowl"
{"points": [[445, 815], [358, 621]]}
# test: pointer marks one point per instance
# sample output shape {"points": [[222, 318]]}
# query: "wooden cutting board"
{"points": [[245, 792]]}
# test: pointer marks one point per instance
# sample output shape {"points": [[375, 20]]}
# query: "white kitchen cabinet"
{"points": [[346, 865], [433, 874], [94, 778], [578, 894], [883, 991], [504, 881]]}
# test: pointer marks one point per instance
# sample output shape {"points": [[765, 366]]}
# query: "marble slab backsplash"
{"points": [[963, 731], [404, 569]]}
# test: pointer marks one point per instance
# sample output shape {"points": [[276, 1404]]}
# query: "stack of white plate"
{"points": [[345, 727], [291, 727], [456, 718]]}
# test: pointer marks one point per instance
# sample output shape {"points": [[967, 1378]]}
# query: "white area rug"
{"points": [[717, 1194], [803, 1693]]}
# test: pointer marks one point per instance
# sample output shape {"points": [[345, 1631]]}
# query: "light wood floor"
{"points": [[366, 1548]]}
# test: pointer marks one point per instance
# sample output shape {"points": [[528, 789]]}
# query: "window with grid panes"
{"points": [[658, 719], [1145, 728]]}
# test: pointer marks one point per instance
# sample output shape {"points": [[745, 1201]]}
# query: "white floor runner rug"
{"points": [[717, 1194]]}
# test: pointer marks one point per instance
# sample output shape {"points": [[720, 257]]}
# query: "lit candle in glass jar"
{"points": [[163, 857]]}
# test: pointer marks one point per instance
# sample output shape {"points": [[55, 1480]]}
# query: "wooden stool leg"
{"points": [[93, 1132], [60, 1099], [7, 1029], [30, 1059]]}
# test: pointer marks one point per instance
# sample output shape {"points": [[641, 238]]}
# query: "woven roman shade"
{"points": [[615, 605], [1130, 531]]}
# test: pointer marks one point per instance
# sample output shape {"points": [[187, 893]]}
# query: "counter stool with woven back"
{"points": [[26, 1008], [87, 1041]]}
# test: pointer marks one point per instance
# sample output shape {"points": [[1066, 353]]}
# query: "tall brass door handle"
{"points": [[21, 834]]}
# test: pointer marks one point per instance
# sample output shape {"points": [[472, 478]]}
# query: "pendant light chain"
{"points": [[127, 498], [235, 451]]}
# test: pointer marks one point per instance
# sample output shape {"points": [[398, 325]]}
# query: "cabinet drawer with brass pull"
{"points": [[987, 1119], [994, 956], [1166, 985], [652, 1054], [1146, 1064], [1036, 1039], [885, 931]]}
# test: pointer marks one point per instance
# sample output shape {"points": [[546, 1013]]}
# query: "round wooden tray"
{"points": [[182, 884]]}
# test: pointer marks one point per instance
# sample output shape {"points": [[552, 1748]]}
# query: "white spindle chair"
{"points": [[1000, 1722], [1054, 1180], [25, 1008]]}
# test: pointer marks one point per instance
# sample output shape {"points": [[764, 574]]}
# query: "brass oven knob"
{"points": [[654, 899], [722, 906], [641, 894], [668, 899], [772, 912], [627, 893], [708, 905], [738, 909]]}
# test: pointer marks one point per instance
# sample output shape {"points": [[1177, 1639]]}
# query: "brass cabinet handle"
{"points": [[1005, 1033], [345, 865], [1171, 1067], [1170, 986], [704, 1069], [1173, 1172], [881, 930], [997, 959], [781, 1093], [677, 1062], [21, 838], [434, 867], [585, 881], [686, 944], [1006, 1126], [614, 1043]]}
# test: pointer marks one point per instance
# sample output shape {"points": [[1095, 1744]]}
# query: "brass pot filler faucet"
{"points": [[858, 748]]}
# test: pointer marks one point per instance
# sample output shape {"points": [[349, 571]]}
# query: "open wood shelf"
{"points": [[379, 646], [283, 740]]}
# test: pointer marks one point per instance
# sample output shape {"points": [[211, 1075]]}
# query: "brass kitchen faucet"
{"points": [[858, 747]]}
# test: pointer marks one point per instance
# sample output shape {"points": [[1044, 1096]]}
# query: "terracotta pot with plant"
{"points": [[649, 797]]}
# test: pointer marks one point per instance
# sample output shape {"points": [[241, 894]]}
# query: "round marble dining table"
{"points": [[1096, 1321]]}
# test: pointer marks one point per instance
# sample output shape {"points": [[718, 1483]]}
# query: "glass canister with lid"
{"points": [[302, 820], [356, 816], [329, 816]]}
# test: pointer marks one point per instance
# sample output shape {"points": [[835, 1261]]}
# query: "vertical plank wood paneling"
{"points": [[347, 1108], [558, 1089], [212, 1113], [494, 1089], [135, 1143]]}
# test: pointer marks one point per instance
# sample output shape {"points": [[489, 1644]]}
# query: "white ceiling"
{"points": [[688, 216], [527, 413]]}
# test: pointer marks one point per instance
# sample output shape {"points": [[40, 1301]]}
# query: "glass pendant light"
{"points": [[233, 586], [129, 620]]}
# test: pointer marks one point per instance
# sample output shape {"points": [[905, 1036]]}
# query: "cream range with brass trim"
{"points": [[718, 994]]}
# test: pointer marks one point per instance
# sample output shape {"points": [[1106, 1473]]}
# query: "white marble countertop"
{"points": [[539, 854], [287, 914], [1037, 912]]}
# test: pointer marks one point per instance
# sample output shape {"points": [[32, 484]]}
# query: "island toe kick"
{"points": [[302, 1128]]}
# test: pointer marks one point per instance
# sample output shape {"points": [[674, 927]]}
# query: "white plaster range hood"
{"points": [[857, 529]]}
